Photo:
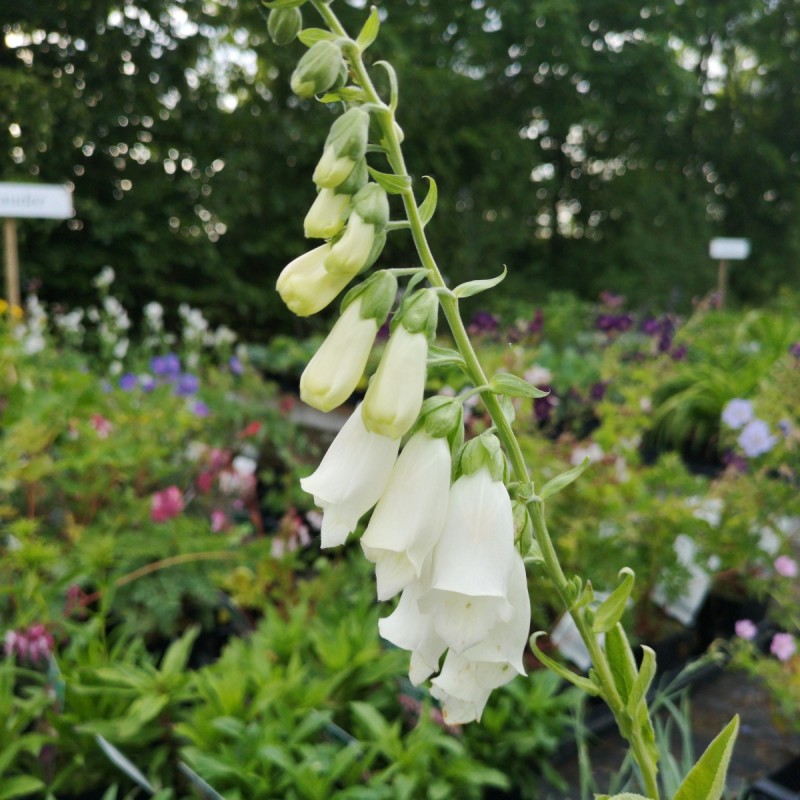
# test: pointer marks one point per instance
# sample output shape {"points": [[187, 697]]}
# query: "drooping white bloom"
{"points": [[407, 627], [409, 517], [327, 214], [351, 477], [472, 562], [394, 397], [336, 368], [306, 286], [351, 252]]}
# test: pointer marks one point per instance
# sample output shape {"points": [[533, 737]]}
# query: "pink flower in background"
{"points": [[205, 480], [783, 646], [102, 425], [785, 566], [166, 504], [746, 629], [34, 644], [219, 521]]}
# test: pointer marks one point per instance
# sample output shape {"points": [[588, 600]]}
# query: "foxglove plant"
{"points": [[454, 524]]}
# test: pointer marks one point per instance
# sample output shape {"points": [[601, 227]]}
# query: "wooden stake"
{"points": [[722, 284], [11, 261]]}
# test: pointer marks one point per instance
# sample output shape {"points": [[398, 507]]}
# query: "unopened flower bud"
{"points": [[327, 215], [442, 418], [306, 286], [377, 295], [523, 526], [283, 25], [394, 397], [483, 452], [420, 313], [317, 70], [345, 146]]}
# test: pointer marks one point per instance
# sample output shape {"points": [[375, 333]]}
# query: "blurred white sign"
{"points": [[729, 249], [35, 201]]}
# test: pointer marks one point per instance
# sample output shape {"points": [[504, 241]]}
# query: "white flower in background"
{"points": [[351, 478], [737, 413], [121, 348], [592, 451], [244, 466], [473, 560], [407, 627], [32, 344], [756, 438], [538, 375], [154, 316], [306, 286], [709, 509], [104, 278], [409, 517], [93, 314], [224, 336], [70, 323], [115, 368]]}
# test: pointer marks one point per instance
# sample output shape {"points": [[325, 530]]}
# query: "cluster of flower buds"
{"points": [[442, 533]]}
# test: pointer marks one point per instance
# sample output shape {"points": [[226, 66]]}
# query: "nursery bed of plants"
{"points": [[170, 624]]}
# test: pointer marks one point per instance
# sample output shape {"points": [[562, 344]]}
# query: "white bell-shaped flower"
{"points": [[457, 689], [327, 214], [336, 368], [351, 477], [472, 562], [407, 627], [306, 286], [394, 396], [350, 253], [409, 517]]}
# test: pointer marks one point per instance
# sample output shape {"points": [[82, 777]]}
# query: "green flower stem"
{"points": [[449, 305]]}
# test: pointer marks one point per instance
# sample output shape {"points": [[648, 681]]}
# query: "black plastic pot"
{"points": [[781, 785]]}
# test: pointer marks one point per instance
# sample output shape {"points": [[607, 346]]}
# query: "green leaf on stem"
{"points": [[471, 288], [310, 36], [370, 30], [507, 384], [555, 485], [19, 786], [428, 206], [637, 706], [613, 607], [706, 779], [590, 687], [347, 94], [282, 3], [625, 796], [444, 357], [586, 597], [621, 661], [393, 184], [122, 762], [394, 94]]}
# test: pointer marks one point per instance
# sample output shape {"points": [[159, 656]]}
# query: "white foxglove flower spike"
{"points": [[351, 478], [409, 517], [306, 286], [333, 373]]}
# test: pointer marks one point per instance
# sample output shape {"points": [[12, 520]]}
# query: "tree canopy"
{"points": [[586, 145]]}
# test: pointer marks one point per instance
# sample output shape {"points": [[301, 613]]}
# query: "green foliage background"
{"points": [[646, 128]]}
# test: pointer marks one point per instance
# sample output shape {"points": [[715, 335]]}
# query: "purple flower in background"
{"points": [[665, 341], [746, 629], [756, 439], [235, 365], [606, 322], [651, 326], [794, 349], [612, 300], [543, 406], [200, 409], [598, 390], [786, 567], [33, 644], [187, 384], [735, 461], [147, 382], [737, 413], [679, 353], [128, 382], [783, 646], [168, 366], [624, 322], [537, 323], [483, 322], [785, 427]]}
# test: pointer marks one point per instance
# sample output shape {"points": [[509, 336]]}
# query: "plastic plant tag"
{"points": [[685, 608]]}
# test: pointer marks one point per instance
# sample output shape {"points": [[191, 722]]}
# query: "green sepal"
{"points": [[377, 295], [393, 184], [349, 133], [588, 686], [637, 705], [476, 287], [523, 526], [345, 94], [428, 206], [574, 589], [444, 357], [483, 452], [355, 181], [621, 661], [378, 243], [555, 485], [310, 36], [372, 205], [586, 597], [512, 386], [419, 313], [370, 30], [442, 418], [613, 607], [706, 779]]}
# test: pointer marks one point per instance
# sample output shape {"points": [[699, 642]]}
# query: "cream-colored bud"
{"points": [[336, 368], [306, 286], [331, 169], [350, 254], [327, 215], [394, 397]]}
